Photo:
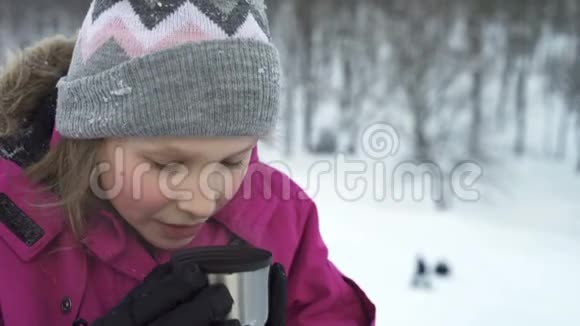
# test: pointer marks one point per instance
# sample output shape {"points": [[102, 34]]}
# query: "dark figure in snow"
{"points": [[442, 269], [421, 276]]}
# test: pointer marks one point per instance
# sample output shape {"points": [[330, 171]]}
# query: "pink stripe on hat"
{"points": [[117, 30], [189, 33]]}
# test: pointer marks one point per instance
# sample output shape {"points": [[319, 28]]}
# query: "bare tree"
{"points": [[475, 31], [506, 86], [479, 13], [347, 37], [427, 65], [306, 12], [522, 23], [562, 67], [288, 41], [572, 100], [556, 72], [357, 47], [578, 139]]}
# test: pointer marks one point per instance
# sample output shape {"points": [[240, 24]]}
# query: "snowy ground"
{"points": [[514, 254]]}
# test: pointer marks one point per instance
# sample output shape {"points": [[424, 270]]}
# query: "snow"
{"points": [[9, 154], [513, 254], [122, 91]]}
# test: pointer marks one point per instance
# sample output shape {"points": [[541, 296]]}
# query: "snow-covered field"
{"points": [[514, 254]]}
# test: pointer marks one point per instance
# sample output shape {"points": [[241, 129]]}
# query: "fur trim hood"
{"points": [[28, 97], [28, 78]]}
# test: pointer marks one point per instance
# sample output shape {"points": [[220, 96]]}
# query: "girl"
{"points": [[136, 139]]}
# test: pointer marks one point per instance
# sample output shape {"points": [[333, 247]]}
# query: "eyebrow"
{"points": [[243, 150], [176, 150]]}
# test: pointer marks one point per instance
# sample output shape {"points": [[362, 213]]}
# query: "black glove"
{"points": [[172, 295], [278, 296]]}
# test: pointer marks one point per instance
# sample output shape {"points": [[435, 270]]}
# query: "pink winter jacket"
{"points": [[49, 278]]}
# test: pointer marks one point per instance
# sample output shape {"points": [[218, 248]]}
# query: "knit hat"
{"points": [[171, 68]]}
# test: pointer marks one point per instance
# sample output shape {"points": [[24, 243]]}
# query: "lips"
{"points": [[175, 231]]}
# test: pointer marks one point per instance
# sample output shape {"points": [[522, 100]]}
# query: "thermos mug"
{"points": [[243, 270]]}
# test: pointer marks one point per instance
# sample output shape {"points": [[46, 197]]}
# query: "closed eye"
{"points": [[228, 164], [162, 166], [233, 165]]}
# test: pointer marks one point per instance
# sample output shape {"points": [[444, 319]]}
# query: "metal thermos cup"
{"points": [[244, 271]]}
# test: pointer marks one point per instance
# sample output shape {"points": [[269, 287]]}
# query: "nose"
{"points": [[198, 206], [199, 200]]}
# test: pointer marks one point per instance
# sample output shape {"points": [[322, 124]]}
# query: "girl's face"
{"points": [[166, 188]]}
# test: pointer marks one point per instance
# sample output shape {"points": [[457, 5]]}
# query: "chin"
{"points": [[169, 244]]}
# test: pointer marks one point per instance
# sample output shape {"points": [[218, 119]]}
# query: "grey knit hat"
{"points": [[171, 68]]}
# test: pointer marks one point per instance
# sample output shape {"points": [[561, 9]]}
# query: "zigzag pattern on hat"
{"points": [[145, 26]]}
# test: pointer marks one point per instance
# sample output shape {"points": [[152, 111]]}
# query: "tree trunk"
{"points": [[475, 132], [442, 204], [422, 146], [353, 139], [346, 100], [309, 101], [289, 120], [563, 130], [305, 16], [521, 110], [578, 139], [548, 124], [476, 47], [420, 139], [504, 93]]}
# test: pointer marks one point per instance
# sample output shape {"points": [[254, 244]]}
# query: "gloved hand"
{"points": [[172, 295], [278, 296]]}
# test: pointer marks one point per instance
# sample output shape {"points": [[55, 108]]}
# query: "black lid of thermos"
{"points": [[224, 259]]}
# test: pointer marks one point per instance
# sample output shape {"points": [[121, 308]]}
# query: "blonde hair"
{"points": [[26, 78], [66, 170]]}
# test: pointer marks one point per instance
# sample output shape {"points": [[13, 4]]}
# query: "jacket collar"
{"points": [[250, 210], [26, 197]]}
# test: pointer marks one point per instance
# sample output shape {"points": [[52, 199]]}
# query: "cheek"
{"points": [[136, 194], [230, 189]]}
